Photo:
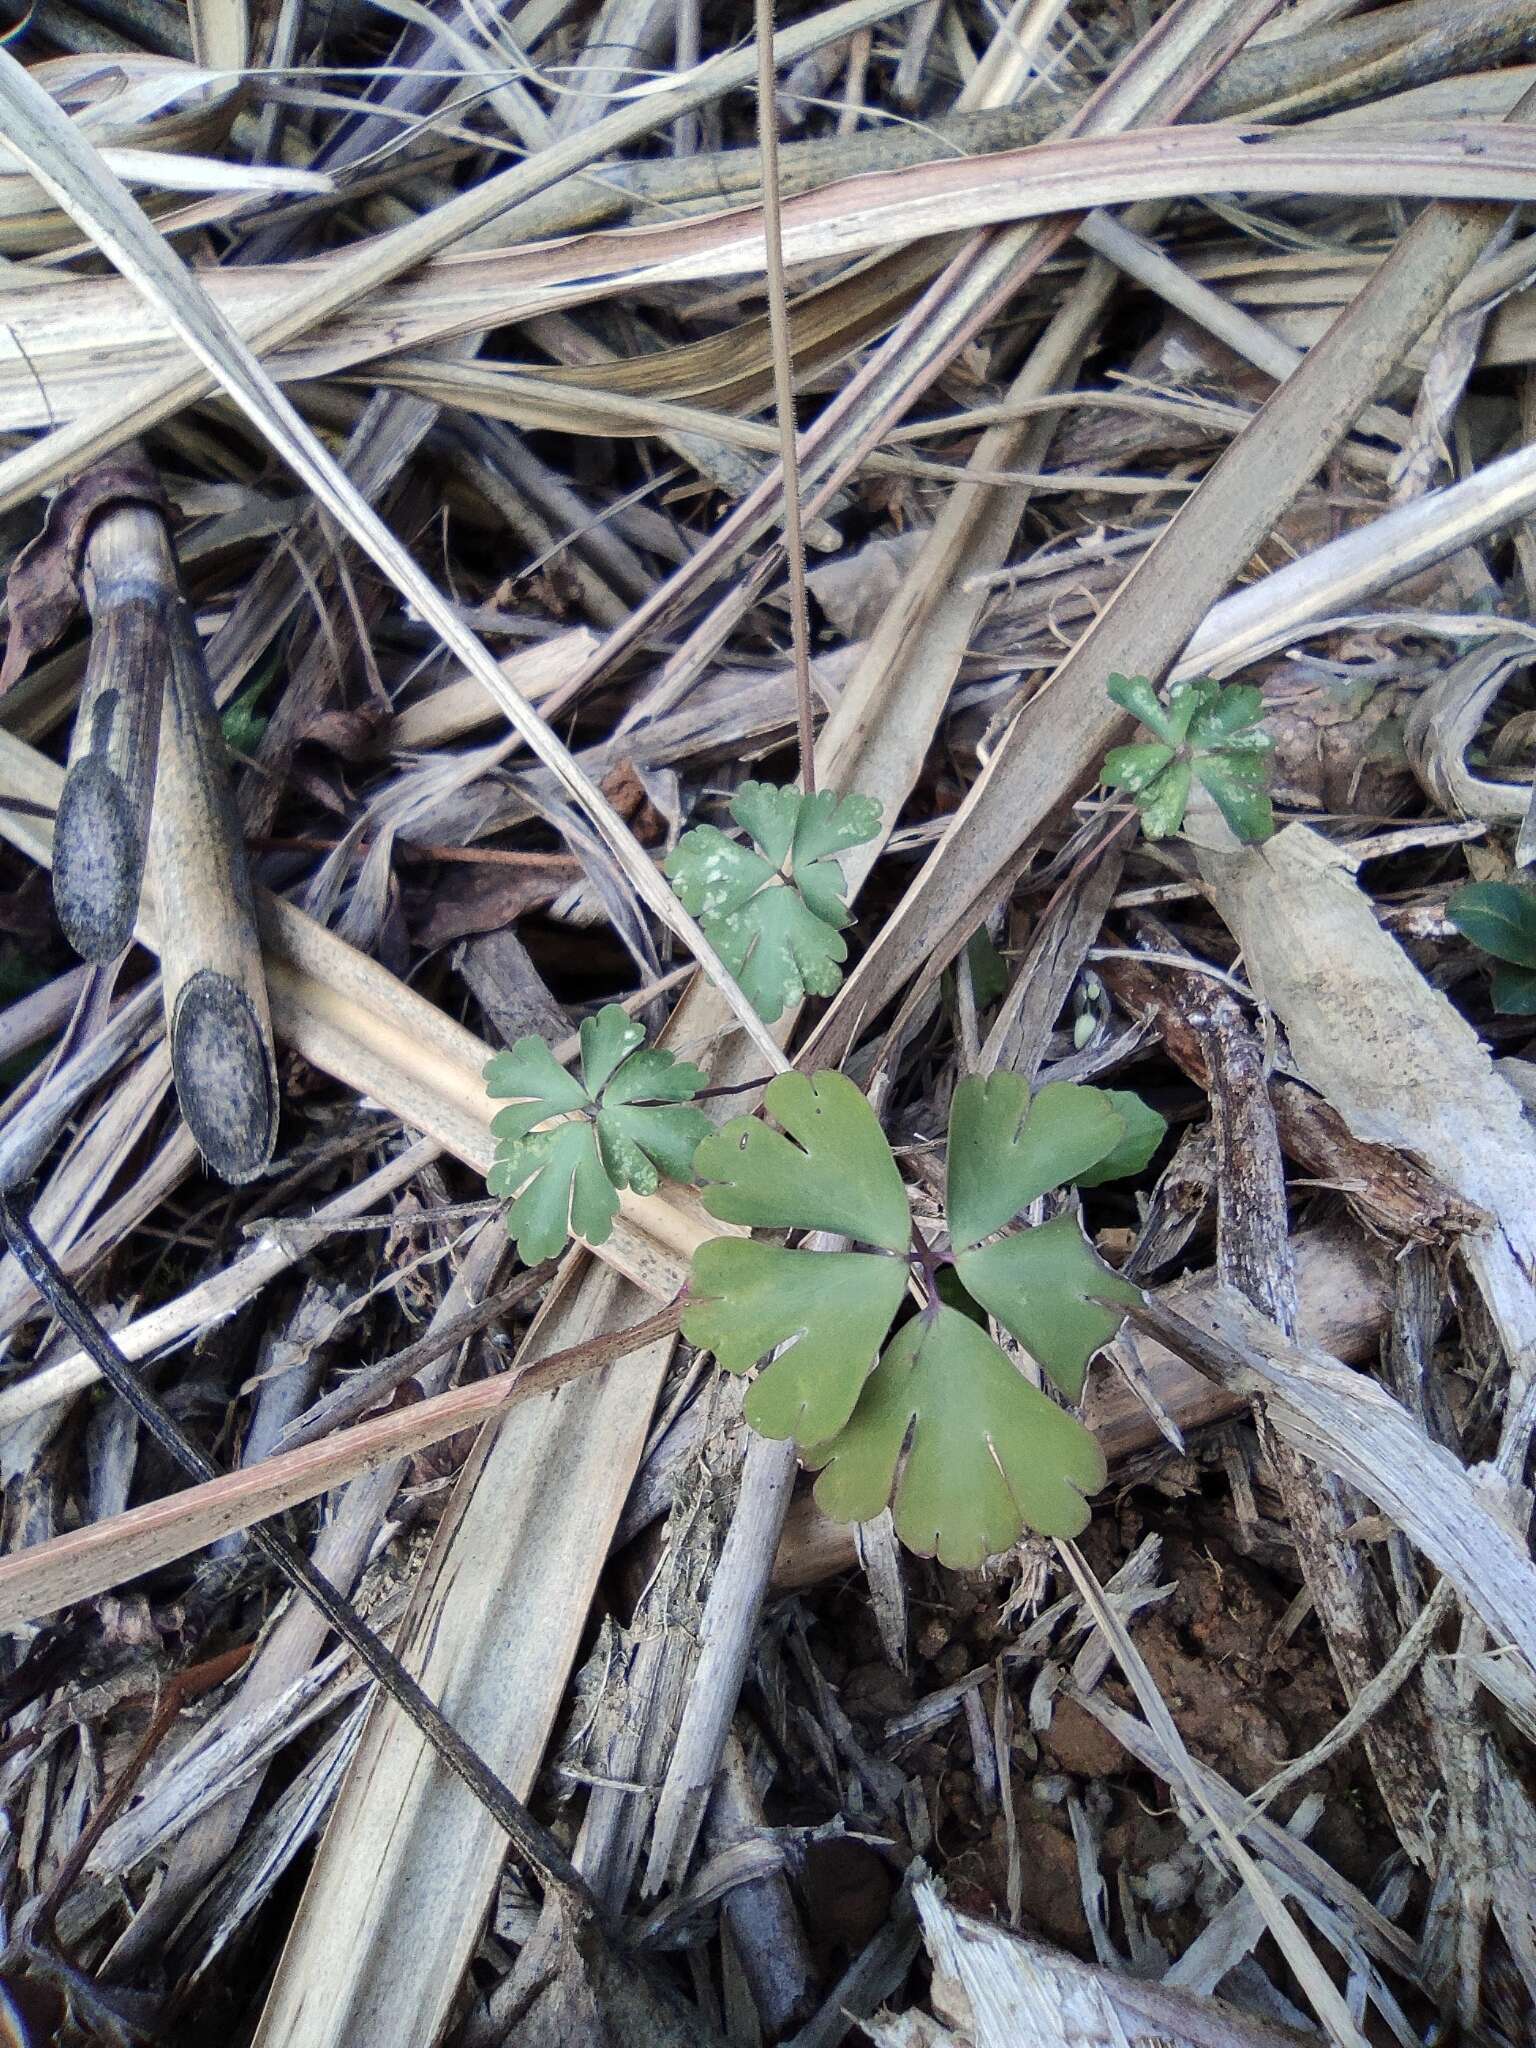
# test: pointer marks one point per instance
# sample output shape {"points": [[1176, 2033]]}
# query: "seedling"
{"points": [[776, 910], [1501, 918], [939, 1422], [625, 1124], [1206, 731]]}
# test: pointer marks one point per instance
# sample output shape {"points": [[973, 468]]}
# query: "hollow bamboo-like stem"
{"points": [[210, 951], [102, 833]]}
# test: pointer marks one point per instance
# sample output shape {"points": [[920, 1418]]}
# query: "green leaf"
{"points": [[1136, 695], [1144, 1132], [1187, 701], [1498, 916], [633, 1128], [1231, 710], [635, 1142], [1514, 990], [1038, 1284], [607, 1040], [1238, 782], [567, 1191], [835, 1306], [830, 824], [988, 969], [770, 814], [529, 1070], [990, 1455], [775, 914], [778, 949], [1135, 768], [834, 1171], [1162, 803], [1004, 1150]]}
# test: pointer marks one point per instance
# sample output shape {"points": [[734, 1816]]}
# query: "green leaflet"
{"points": [[1004, 1150], [989, 1454], [750, 1298], [1204, 730], [1501, 918], [775, 914], [565, 1191], [834, 1171], [1144, 1132], [1498, 916], [629, 1126], [1038, 1284]]}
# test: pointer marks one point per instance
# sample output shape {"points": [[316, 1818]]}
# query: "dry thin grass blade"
{"points": [[140, 105], [68, 169], [74, 336], [1352, 1427], [104, 1554], [221, 33], [153, 398], [1321, 1993]]}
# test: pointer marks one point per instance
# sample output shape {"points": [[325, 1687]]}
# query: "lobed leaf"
{"points": [[1136, 695], [1224, 712], [632, 1126], [830, 1309], [607, 1040], [775, 913], [530, 1071], [990, 1455], [1135, 768], [1164, 801], [1040, 1285], [564, 1190], [1004, 1149], [833, 1171], [779, 949], [1498, 916], [1144, 1132], [1238, 783]]}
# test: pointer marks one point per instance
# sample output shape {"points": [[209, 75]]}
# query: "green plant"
{"points": [[1501, 918], [1206, 731], [624, 1124], [938, 1421], [776, 910]]}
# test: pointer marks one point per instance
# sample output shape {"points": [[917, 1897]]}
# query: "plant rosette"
{"points": [[1205, 732], [933, 1418], [775, 911], [623, 1124]]}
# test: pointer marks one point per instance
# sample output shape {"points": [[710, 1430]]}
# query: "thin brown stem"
{"points": [[784, 389]]}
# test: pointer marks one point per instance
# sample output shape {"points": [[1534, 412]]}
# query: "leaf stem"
{"points": [[927, 1262]]}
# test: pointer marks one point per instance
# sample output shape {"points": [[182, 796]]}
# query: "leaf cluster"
{"points": [[565, 1147], [1501, 918], [1205, 731], [775, 911], [933, 1416]]}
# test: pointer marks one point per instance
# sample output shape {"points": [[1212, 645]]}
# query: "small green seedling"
{"points": [[1203, 730], [1501, 918], [775, 914], [625, 1124], [935, 1418]]}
